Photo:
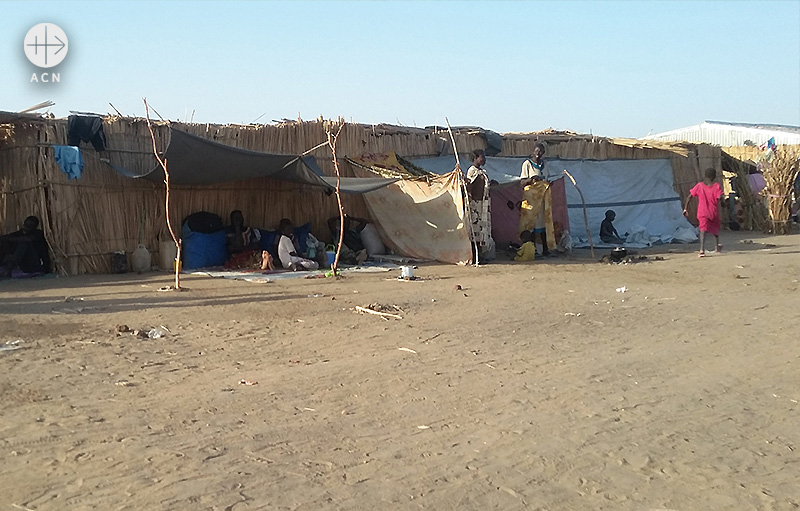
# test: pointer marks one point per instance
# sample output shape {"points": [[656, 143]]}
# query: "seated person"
{"points": [[527, 252], [244, 246], [24, 250], [287, 251], [353, 251], [607, 231], [239, 237]]}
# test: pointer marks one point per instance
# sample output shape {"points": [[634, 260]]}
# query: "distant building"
{"points": [[731, 134]]}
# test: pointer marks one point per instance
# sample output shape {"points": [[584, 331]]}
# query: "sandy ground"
{"points": [[534, 386]]}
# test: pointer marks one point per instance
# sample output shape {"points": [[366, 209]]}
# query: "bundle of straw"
{"points": [[780, 173], [755, 210]]}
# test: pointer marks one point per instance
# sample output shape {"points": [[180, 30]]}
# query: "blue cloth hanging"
{"points": [[70, 160]]}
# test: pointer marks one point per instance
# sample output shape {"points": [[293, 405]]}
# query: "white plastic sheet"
{"points": [[640, 192]]}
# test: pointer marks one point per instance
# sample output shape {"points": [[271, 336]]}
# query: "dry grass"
{"points": [[780, 173]]}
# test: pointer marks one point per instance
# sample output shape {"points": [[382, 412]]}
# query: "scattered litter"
{"points": [[125, 383], [746, 242], [73, 299], [166, 288], [622, 289], [408, 279], [379, 310], [157, 332], [316, 295], [762, 307], [247, 382], [488, 365], [11, 345], [408, 350], [740, 266], [572, 314], [423, 427], [737, 276], [309, 409], [426, 341], [630, 258], [458, 287]]}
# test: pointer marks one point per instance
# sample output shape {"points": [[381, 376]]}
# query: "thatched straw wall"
{"points": [[86, 220]]}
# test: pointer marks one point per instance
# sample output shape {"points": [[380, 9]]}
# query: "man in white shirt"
{"points": [[287, 252]]}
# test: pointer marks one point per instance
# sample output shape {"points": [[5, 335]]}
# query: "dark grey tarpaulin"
{"points": [[194, 160]]}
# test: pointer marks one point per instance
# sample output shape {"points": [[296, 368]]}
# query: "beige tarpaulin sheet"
{"points": [[420, 219]]}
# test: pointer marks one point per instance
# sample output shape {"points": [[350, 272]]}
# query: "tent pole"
{"points": [[583, 203], [464, 193], [323, 144]]}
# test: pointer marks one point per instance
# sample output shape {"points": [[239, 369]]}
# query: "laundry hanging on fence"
{"points": [[69, 159], [87, 129]]}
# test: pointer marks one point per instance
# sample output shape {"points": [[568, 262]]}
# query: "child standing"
{"points": [[708, 193]]}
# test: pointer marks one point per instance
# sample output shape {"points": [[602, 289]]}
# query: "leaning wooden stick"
{"points": [[583, 203], [464, 192]]}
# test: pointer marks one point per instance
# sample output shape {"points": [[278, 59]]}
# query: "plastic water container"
{"points": [[331, 256], [407, 272]]}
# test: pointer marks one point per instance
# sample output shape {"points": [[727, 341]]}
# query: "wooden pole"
{"points": [[163, 163], [464, 192], [332, 142], [585, 217]]}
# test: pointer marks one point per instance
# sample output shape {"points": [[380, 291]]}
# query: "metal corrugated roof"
{"points": [[731, 134], [771, 127]]}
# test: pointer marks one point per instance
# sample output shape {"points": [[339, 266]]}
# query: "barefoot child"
{"points": [[708, 193]]}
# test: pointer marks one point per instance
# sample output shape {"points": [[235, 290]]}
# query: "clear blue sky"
{"points": [[612, 68]]}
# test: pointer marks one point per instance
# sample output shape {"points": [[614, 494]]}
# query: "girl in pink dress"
{"points": [[708, 193]]}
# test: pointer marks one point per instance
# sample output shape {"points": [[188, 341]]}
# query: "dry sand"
{"points": [[534, 386]]}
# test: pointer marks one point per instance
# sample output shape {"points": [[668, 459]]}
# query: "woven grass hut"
{"points": [[88, 219]]}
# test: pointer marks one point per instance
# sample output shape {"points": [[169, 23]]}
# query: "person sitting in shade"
{"points": [[353, 251], [244, 246], [527, 252], [608, 234], [24, 252], [287, 252]]}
